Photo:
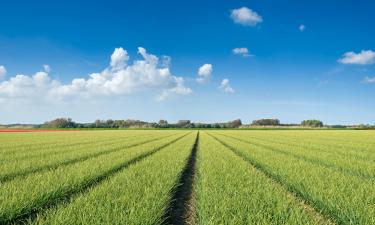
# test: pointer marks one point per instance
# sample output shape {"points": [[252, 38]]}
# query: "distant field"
{"points": [[188, 177]]}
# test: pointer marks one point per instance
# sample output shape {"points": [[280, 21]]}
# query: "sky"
{"points": [[206, 61]]}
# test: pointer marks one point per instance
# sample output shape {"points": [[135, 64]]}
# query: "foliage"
{"points": [[60, 123], [266, 122], [129, 123], [312, 123]]}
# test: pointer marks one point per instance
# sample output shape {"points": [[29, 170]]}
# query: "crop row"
{"points": [[232, 191], [11, 169], [346, 198], [22, 197], [138, 195], [32, 143], [329, 159], [348, 143], [190, 177]]}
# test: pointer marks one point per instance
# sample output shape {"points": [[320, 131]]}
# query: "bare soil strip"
{"points": [[181, 209], [69, 196], [292, 193]]}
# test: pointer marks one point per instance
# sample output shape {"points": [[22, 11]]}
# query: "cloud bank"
{"points": [[119, 78]]}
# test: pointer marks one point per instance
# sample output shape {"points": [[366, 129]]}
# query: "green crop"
{"points": [[188, 177]]}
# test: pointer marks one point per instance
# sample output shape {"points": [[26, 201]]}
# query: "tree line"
{"points": [[69, 123], [129, 123]]}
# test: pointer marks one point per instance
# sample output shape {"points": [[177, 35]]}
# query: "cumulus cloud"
{"points": [[244, 52], [225, 86], [22, 86], [365, 57], [245, 16], [3, 71], [118, 79], [369, 80], [179, 89], [119, 59], [204, 73], [302, 27]]}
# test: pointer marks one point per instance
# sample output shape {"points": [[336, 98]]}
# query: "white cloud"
{"points": [[118, 79], [204, 73], [47, 68], [22, 86], [369, 80], [302, 27], [225, 86], [365, 57], [119, 59], [179, 89], [245, 16], [3, 71], [244, 52]]}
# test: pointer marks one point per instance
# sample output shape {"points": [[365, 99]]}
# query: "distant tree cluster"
{"points": [[130, 123], [120, 124], [60, 123], [266, 122], [188, 124], [312, 123], [68, 123]]}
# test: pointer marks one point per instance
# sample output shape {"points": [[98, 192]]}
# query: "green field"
{"points": [[188, 177]]}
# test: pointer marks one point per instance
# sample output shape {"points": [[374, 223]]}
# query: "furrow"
{"points": [[181, 210]]}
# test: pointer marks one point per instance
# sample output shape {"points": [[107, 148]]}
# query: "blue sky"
{"points": [[291, 60]]}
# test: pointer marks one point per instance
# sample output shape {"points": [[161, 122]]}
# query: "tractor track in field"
{"points": [[309, 160], [12, 176], [293, 193], [181, 207], [68, 196]]}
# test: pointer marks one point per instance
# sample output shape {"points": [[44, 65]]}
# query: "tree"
{"points": [[99, 123], [61, 123], [235, 123], [184, 124], [163, 124], [266, 122], [312, 123]]}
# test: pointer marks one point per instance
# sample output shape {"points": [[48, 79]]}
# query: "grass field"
{"points": [[188, 177]]}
